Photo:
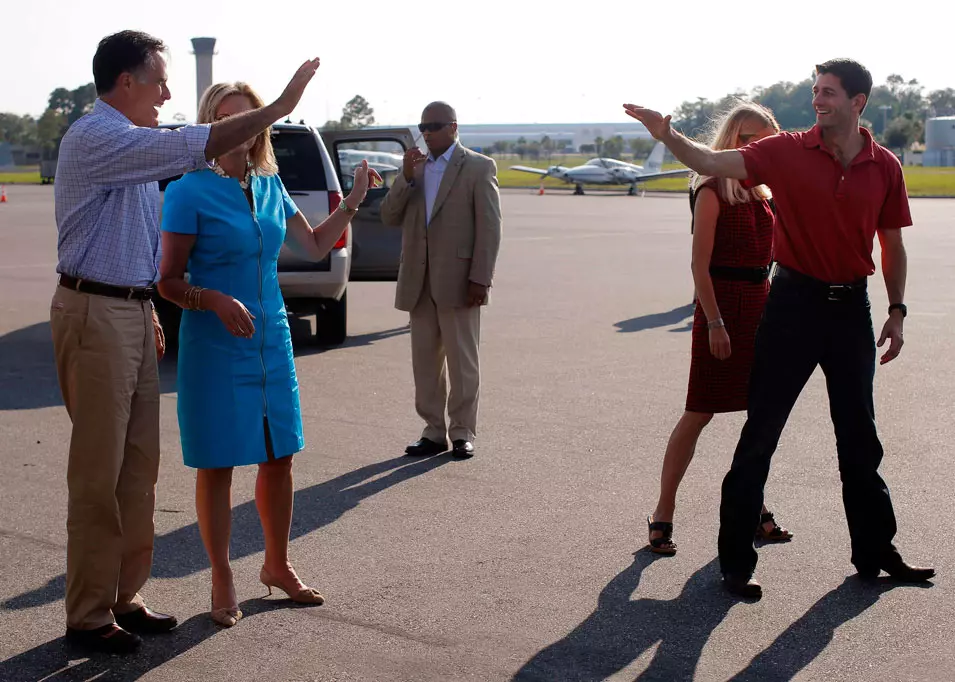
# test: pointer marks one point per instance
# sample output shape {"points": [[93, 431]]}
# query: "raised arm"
{"points": [[394, 204], [135, 155], [228, 134], [702, 159], [315, 242]]}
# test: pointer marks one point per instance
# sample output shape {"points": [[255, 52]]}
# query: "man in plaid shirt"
{"points": [[106, 336]]}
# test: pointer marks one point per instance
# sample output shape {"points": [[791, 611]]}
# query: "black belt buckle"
{"points": [[839, 292]]}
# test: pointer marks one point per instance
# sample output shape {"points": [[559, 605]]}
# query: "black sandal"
{"points": [[777, 534], [663, 544]]}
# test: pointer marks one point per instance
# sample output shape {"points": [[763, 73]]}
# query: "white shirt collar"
{"points": [[447, 155]]}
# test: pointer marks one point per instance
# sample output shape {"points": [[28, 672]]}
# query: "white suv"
{"points": [[314, 182]]}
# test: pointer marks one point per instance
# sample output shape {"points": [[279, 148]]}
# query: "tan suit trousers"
{"points": [[444, 341], [106, 364]]}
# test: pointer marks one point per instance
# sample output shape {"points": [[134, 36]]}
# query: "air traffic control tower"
{"points": [[204, 49]]}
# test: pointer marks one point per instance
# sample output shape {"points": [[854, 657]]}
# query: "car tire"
{"points": [[331, 321]]}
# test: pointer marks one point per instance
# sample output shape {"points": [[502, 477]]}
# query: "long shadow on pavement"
{"points": [[28, 370], [804, 640], [58, 661], [621, 629], [180, 553], [655, 320]]}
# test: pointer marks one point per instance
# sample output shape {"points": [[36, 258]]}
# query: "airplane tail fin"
{"points": [[655, 160]]}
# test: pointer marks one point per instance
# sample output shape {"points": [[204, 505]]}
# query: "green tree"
{"points": [[65, 107], [521, 147], [17, 129], [613, 148], [332, 125], [791, 103], [357, 113], [599, 145], [902, 132], [942, 102], [641, 147]]}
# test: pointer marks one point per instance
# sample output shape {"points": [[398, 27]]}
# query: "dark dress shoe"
{"points": [[742, 586], [145, 621], [898, 570], [463, 449], [425, 448], [109, 639]]}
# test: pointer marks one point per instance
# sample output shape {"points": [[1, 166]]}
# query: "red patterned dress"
{"points": [[744, 239]]}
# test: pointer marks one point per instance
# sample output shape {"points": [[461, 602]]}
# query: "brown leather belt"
{"points": [[99, 289]]}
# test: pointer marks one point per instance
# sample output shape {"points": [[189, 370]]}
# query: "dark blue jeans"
{"points": [[808, 323]]}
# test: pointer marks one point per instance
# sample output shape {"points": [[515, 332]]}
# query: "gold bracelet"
{"points": [[193, 298]]}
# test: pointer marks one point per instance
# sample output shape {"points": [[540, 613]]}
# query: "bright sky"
{"points": [[514, 61]]}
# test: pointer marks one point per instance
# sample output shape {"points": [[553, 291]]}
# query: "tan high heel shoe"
{"points": [[226, 617], [303, 595]]}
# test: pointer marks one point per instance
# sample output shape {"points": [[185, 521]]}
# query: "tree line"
{"points": [[895, 113]]}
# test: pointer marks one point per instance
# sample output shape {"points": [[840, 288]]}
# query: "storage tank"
{"points": [[939, 141]]}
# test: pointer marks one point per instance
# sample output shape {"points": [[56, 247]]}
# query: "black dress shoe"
{"points": [[425, 448], [145, 621], [109, 639], [898, 570], [463, 449], [742, 586]]}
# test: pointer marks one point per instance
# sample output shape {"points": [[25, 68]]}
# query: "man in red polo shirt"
{"points": [[835, 189]]}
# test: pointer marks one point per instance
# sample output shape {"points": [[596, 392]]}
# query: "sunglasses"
{"points": [[432, 127]]}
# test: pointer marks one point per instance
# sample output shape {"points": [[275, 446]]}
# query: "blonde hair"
{"points": [[261, 155], [725, 133]]}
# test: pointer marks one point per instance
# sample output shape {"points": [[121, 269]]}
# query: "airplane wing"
{"points": [[665, 174], [528, 169]]}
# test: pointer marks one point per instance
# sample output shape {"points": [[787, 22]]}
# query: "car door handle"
{"points": [[298, 194]]}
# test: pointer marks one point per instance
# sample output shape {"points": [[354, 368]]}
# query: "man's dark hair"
{"points": [[855, 78], [123, 52]]}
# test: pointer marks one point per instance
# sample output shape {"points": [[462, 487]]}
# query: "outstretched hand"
{"points": [[656, 124], [365, 178], [293, 92]]}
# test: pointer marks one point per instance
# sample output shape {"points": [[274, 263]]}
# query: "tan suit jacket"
{"points": [[461, 243]]}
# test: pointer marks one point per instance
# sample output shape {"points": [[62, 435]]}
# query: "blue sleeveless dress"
{"points": [[230, 386]]}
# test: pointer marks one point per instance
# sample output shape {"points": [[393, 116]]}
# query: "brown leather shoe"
{"points": [[742, 586], [145, 621], [109, 639]]}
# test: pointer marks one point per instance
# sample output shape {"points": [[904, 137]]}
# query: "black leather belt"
{"points": [[834, 292], [755, 275], [99, 289]]}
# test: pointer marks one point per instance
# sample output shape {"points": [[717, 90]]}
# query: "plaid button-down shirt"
{"points": [[107, 194]]}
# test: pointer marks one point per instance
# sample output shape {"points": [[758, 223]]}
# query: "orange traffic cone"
{"points": [[540, 192], [3, 194]]}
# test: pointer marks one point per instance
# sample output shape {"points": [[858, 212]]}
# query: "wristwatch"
{"points": [[343, 207], [899, 306]]}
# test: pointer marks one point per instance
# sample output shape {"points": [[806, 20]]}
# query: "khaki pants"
{"points": [[445, 341], [106, 364]]}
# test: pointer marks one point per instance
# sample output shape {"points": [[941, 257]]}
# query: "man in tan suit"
{"points": [[449, 209]]}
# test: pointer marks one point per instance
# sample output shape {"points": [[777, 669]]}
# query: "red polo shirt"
{"points": [[828, 214]]}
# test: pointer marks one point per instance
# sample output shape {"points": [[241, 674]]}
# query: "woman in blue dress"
{"points": [[238, 392]]}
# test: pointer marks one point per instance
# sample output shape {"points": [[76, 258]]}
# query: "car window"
{"points": [[300, 161], [299, 158], [385, 156]]}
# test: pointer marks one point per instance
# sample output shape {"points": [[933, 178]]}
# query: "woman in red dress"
{"points": [[732, 251]]}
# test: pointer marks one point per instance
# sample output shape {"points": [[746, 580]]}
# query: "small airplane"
{"points": [[603, 171]]}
